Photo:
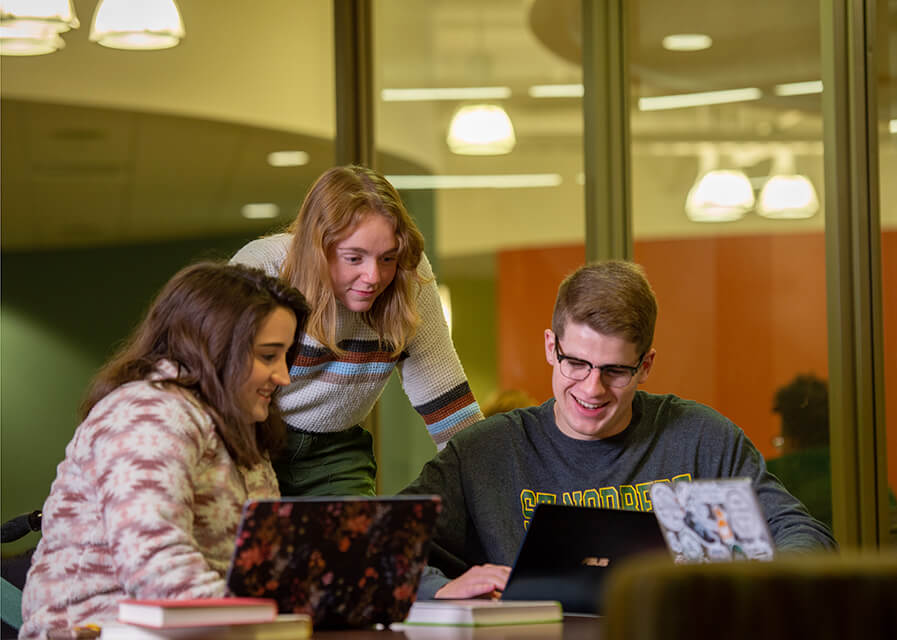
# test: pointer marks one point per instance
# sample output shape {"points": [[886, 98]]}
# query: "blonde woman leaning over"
{"points": [[357, 256], [177, 435]]}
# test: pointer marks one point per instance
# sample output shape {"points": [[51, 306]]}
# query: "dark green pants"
{"points": [[327, 464]]}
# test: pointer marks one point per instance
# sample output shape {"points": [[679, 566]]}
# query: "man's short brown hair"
{"points": [[612, 297]]}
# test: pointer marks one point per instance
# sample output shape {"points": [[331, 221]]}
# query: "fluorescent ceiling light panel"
{"points": [[892, 126], [798, 88], [556, 91], [502, 181], [445, 93], [682, 100], [687, 42], [260, 210]]}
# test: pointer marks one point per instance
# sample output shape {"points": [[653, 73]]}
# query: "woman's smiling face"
{"points": [[363, 264], [268, 366]]}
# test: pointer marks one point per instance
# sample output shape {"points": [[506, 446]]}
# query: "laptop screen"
{"points": [[569, 550]]}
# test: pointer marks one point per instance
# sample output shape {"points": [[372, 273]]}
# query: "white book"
{"points": [[286, 626], [483, 613], [196, 611]]}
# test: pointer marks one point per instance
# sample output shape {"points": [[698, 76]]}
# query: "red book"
{"points": [[198, 612]]}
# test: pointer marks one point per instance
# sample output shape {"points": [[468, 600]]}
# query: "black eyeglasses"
{"points": [[612, 375]]}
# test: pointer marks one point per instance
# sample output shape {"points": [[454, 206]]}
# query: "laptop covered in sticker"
{"points": [[712, 520]]}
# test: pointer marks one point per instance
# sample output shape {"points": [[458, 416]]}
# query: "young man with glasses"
{"points": [[598, 442]]}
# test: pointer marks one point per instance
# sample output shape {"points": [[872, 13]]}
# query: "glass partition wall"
{"points": [[483, 125], [727, 184], [121, 166]]}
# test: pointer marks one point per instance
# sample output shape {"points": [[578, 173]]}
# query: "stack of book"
{"points": [[221, 618]]}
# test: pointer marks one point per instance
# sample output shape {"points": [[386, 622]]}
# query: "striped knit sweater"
{"points": [[145, 504], [331, 393]]}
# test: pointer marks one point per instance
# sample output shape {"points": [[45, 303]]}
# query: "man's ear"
{"points": [[549, 346], [647, 364]]}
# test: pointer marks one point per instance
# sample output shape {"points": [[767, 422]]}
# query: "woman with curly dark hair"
{"points": [[178, 432]]}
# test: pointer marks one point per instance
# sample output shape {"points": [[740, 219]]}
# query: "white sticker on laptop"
{"points": [[712, 520]]}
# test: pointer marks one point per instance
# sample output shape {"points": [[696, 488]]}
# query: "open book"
{"points": [[480, 612]]}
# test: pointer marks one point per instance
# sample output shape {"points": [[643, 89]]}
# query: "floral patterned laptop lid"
{"points": [[346, 561]]}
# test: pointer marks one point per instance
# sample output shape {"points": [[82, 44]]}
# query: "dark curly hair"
{"points": [[205, 321]]}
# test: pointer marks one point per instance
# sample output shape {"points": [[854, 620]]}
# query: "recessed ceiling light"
{"points": [[260, 210], [288, 158], [687, 42], [892, 126]]}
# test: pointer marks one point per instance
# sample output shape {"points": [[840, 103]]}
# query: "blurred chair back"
{"points": [[14, 570], [810, 596]]}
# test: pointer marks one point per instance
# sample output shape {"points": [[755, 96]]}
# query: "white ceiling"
{"points": [[102, 146]]}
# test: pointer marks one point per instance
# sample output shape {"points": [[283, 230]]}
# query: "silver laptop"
{"points": [[712, 520]]}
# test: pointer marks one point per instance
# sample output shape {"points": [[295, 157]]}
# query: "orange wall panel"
{"points": [[528, 280], [738, 318]]}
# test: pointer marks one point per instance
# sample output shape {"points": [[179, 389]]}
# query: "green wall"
{"points": [[404, 443], [474, 331], [62, 315]]}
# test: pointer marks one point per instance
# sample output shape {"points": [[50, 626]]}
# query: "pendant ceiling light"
{"points": [[481, 130], [32, 27], [137, 24], [787, 195], [720, 196], [484, 128]]}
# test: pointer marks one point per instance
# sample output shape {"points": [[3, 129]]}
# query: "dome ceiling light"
{"points": [[481, 130], [32, 27], [137, 24]]}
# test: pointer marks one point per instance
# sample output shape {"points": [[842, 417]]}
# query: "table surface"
{"points": [[572, 628]]}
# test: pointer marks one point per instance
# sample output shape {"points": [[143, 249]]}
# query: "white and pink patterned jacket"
{"points": [[145, 505]]}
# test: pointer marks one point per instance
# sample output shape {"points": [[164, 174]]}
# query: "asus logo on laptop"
{"points": [[592, 561]]}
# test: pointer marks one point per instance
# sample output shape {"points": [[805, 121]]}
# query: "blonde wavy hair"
{"points": [[338, 200]]}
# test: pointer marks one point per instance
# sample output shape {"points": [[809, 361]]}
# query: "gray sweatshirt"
{"points": [[493, 474]]}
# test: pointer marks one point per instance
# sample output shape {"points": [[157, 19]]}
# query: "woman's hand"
{"points": [[485, 580]]}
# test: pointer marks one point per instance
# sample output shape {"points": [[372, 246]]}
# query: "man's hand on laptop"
{"points": [[481, 581]]}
